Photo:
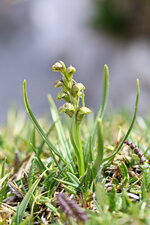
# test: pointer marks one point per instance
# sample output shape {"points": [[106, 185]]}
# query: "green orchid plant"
{"points": [[83, 159], [73, 94], [71, 91]]}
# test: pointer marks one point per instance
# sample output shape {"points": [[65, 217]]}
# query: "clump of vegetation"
{"points": [[128, 18], [79, 170]]}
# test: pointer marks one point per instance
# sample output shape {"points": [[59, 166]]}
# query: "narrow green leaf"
{"points": [[70, 189], [110, 158], [143, 190], [102, 108], [53, 150], [40, 148], [27, 221], [124, 171], [112, 200], [101, 198], [39, 161], [33, 138], [51, 207], [74, 143], [80, 149], [56, 118], [75, 148], [67, 183], [2, 180], [100, 149], [22, 207], [105, 92], [73, 178], [75, 137], [126, 202], [31, 175], [3, 168]]}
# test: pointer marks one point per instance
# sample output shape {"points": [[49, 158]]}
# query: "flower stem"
{"points": [[81, 161]]}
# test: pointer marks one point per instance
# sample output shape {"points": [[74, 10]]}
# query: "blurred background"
{"points": [[34, 34]]}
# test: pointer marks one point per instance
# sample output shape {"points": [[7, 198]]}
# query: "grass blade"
{"points": [[105, 92], [67, 183], [53, 150], [22, 207], [43, 141], [3, 169], [102, 108], [75, 148], [73, 178], [100, 149], [75, 137], [56, 118], [131, 126], [27, 221]]}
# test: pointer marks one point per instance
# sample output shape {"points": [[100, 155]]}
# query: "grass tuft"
{"points": [[79, 170]]}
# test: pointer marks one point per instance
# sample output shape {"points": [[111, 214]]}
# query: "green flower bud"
{"points": [[58, 83], [59, 67], [61, 109], [78, 87], [61, 95], [70, 71], [82, 112], [68, 108]]}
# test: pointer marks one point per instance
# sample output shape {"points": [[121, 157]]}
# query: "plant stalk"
{"points": [[81, 166]]}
